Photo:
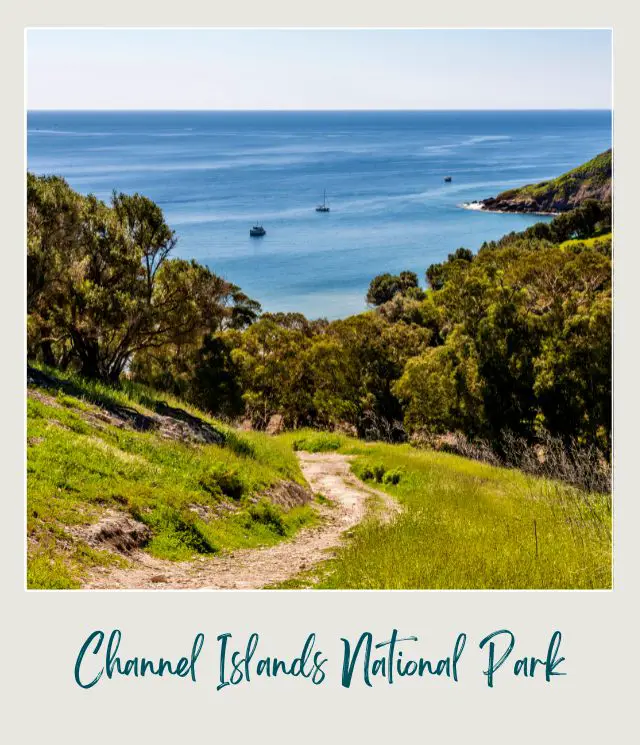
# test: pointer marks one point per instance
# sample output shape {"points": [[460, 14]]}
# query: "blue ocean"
{"points": [[217, 173]]}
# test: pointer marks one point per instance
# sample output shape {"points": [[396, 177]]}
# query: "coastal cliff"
{"points": [[592, 180]]}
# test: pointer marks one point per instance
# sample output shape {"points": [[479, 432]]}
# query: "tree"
{"points": [[143, 223], [99, 299], [102, 287], [374, 353], [408, 280], [54, 222], [535, 318], [243, 312], [442, 389], [573, 369], [191, 304], [437, 274], [383, 288], [461, 254], [274, 372], [216, 379]]}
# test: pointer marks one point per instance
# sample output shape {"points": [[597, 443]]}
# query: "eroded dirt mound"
{"points": [[288, 494], [115, 531]]}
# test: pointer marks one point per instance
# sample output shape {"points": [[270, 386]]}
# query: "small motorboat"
{"points": [[324, 207], [257, 231], [447, 179]]}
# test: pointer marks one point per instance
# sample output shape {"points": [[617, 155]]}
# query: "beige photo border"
{"points": [[44, 630]]}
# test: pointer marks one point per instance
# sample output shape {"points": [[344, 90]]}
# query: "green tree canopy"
{"points": [[102, 287]]}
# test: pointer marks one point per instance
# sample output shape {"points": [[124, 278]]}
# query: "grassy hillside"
{"points": [[591, 180], [116, 469], [465, 525], [109, 468]]}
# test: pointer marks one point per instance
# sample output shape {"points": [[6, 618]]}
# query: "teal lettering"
{"points": [[99, 635], [349, 661], [493, 666]]}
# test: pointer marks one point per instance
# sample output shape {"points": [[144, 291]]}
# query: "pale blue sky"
{"points": [[266, 69]]}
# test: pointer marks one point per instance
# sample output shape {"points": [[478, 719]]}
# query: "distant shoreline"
{"points": [[479, 207]]}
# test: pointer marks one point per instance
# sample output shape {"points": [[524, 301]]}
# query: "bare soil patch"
{"points": [[115, 531]]}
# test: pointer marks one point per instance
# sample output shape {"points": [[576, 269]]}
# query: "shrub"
{"points": [[366, 474], [392, 477], [220, 480], [268, 514], [378, 472], [181, 528]]}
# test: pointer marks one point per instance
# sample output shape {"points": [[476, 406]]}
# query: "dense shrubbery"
{"points": [[516, 338], [102, 289], [590, 219], [524, 344]]}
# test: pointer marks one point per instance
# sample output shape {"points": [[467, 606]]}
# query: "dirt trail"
{"points": [[328, 474]]}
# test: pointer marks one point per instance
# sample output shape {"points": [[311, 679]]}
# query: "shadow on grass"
{"points": [[100, 396]]}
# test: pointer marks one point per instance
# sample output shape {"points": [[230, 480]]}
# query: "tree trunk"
{"points": [[48, 357]]}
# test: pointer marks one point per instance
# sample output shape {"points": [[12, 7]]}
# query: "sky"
{"points": [[314, 69]]}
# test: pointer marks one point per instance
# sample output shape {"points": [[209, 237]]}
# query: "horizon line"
{"points": [[310, 111]]}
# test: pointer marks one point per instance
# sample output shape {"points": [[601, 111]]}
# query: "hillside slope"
{"points": [[116, 471], [592, 180], [128, 488], [463, 524]]}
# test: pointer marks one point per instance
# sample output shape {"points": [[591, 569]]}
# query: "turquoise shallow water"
{"points": [[215, 173]]}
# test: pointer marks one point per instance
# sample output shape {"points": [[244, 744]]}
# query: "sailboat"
{"points": [[324, 207]]}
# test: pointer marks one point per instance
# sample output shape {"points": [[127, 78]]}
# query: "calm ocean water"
{"points": [[216, 173]]}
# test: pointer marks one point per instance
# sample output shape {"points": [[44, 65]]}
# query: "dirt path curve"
{"points": [[328, 474]]}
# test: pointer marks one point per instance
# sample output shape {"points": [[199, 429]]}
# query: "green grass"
{"points": [[49, 568], [467, 525], [595, 173], [463, 524], [316, 442], [78, 466], [588, 242]]}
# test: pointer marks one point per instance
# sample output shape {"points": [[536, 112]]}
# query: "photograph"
{"points": [[319, 309]]}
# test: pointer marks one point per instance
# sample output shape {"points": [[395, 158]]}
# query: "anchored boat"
{"points": [[257, 231], [447, 179], [324, 207]]}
